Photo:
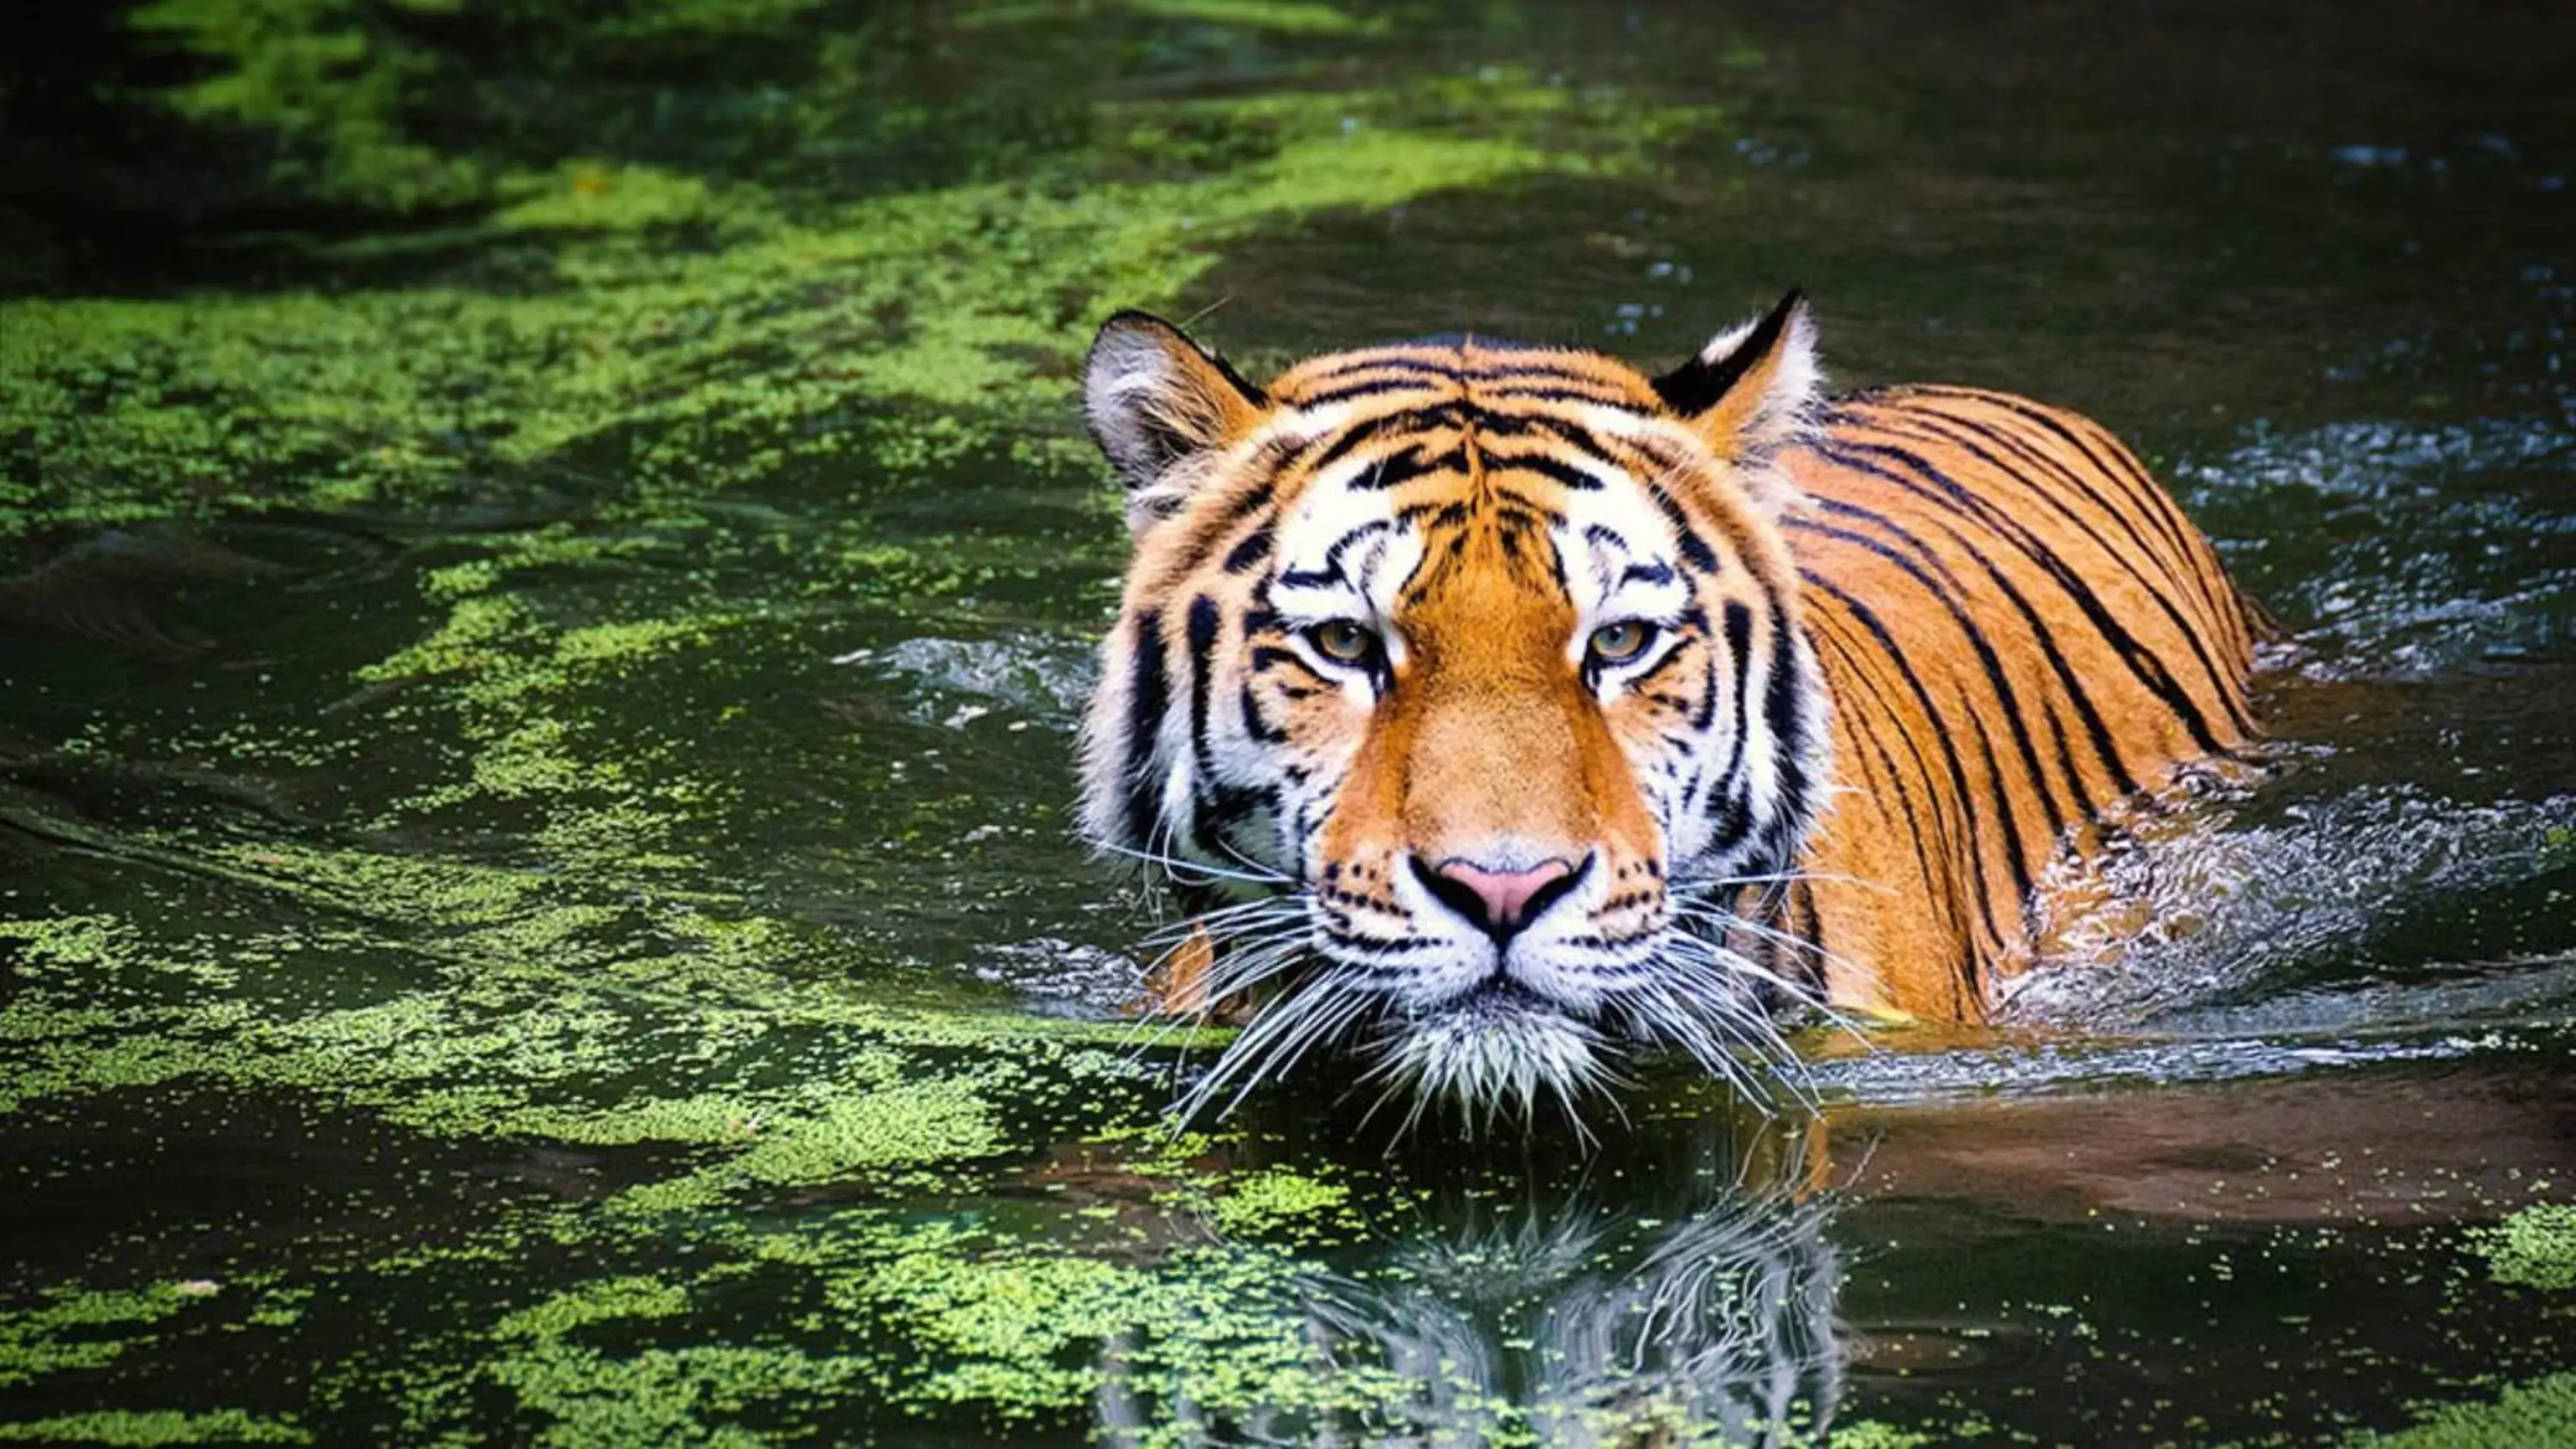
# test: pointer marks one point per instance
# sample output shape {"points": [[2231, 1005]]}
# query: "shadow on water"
{"points": [[547, 573]]}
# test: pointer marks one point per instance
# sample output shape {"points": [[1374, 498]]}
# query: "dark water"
{"points": [[547, 568]]}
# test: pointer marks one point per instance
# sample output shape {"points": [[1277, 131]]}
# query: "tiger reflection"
{"points": [[1702, 1311]]}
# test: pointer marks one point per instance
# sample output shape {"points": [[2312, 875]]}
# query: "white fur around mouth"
{"points": [[1494, 1047]]}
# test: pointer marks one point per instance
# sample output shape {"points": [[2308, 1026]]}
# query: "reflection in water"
{"points": [[113, 586], [1679, 1288]]}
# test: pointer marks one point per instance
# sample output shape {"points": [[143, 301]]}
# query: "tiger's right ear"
{"points": [[1162, 407]]}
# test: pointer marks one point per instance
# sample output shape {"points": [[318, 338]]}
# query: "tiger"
{"points": [[1504, 713]]}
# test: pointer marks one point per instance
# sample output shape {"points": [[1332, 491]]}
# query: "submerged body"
{"points": [[1545, 708], [2017, 627]]}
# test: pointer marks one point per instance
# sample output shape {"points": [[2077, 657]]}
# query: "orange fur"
{"points": [[2006, 622]]}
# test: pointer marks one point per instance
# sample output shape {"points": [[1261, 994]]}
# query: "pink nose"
{"points": [[1499, 901]]}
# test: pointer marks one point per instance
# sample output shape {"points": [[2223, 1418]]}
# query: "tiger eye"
{"points": [[1345, 641], [1618, 643]]}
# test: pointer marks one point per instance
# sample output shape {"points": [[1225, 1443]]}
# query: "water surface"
{"points": [[547, 568]]}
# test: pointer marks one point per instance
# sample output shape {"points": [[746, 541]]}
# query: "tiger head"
{"points": [[1478, 669]]}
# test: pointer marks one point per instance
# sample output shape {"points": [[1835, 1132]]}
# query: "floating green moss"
{"points": [[630, 421], [1275, 1200], [1285, 17], [2525, 1415], [591, 1303], [72, 1329], [155, 1427], [704, 369], [677, 1396], [2534, 1248], [328, 82]]}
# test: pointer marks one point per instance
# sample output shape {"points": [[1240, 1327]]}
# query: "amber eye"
{"points": [[1618, 643], [1344, 641]]}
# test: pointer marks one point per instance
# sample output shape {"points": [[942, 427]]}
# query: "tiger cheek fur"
{"points": [[1529, 709]]}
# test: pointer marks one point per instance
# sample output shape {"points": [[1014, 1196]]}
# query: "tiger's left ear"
{"points": [[1162, 407], [1753, 389]]}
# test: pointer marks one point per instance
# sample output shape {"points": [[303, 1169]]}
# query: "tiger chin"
{"points": [[1503, 711]]}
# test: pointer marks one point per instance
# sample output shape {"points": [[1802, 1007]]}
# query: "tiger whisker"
{"points": [[1177, 867], [1719, 920], [1247, 1061]]}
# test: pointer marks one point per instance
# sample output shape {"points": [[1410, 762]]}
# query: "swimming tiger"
{"points": [[1532, 710]]}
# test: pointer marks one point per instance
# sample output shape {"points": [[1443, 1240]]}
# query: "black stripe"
{"points": [[2161, 508], [1375, 387], [1406, 464], [1811, 929], [1347, 441], [2163, 596], [1266, 657], [2149, 669], [1639, 682], [2175, 557], [1331, 572], [2106, 749], [1695, 549], [1738, 626], [1249, 553], [1356, 364], [1944, 589], [1149, 697], [1251, 501], [1603, 396], [1255, 722], [1735, 815], [1201, 630], [1958, 770], [1557, 469], [1942, 843], [1780, 710]]}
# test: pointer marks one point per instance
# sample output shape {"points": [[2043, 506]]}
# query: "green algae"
{"points": [[1277, 1201], [663, 1396], [1017, 1331], [2540, 1412], [326, 82], [152, 1427], [75, 1330], [602, 1302], [1867, 1434], [2534, 1248], [786, 343], [121, 409], [1002, 1329], [1285, 17]]}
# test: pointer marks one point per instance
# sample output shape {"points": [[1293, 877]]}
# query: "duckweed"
{"points": [[2534, 1248], [154, 1427], [616, 1111], [2540, 1412]]}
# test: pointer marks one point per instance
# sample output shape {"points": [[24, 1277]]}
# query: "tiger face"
{"points": [[1474, 672]]}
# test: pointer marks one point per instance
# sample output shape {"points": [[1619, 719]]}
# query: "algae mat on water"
{"points": [[489, 975], [615, 1155]]}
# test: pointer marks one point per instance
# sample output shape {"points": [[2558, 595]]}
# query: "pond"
{"points": [[548, 566]]}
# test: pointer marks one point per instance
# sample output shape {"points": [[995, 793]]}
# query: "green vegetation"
{"points": [[225, 1426], [2535, 1248], [648, 414], [2540, 1412], [515, 985]]}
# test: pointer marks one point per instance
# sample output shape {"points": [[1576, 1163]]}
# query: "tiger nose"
{"points": [[1498, 902]]}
